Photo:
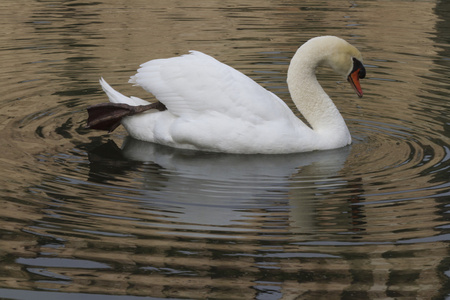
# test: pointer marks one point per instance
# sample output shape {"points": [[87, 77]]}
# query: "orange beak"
{"points": [[353, 78], [358, 72]]}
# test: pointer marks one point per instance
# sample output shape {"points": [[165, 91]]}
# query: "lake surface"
{"points": [[88, 215]]}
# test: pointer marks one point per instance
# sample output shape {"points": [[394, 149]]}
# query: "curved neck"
{"points": [[310, 98]]}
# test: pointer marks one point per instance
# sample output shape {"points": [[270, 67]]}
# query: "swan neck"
{"points": [[310, 98]]}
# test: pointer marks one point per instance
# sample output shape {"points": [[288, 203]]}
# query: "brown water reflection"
{"points": [[81, 215]]}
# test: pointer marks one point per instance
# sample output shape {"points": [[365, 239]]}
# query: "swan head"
{"points": [[345, 60], [341, 56]]}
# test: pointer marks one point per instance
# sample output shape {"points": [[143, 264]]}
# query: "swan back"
{"points": [[197, 84]]}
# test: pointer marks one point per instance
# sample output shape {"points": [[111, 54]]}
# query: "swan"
{"points": [[206, 105]]}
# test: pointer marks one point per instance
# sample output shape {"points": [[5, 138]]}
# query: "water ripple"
{"points": [[84, 211]]}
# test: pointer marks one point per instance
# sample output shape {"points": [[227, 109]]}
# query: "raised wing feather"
{"points": [[196, 83]]}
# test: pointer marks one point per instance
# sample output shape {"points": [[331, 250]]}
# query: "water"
{"points": [[93, 216]]}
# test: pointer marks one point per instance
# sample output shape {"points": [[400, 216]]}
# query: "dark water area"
{"points": [[88, 215]]}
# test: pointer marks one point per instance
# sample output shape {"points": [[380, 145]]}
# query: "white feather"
{"points": [[116, 97], [196, 83]]}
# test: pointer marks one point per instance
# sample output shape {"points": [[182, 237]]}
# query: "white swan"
{"points": [[207, 105]]}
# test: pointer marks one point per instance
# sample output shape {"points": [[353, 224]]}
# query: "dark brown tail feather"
{"points": [[107, 116]]}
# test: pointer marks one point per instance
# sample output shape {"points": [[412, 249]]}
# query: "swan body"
{"points": [[210, 106]]}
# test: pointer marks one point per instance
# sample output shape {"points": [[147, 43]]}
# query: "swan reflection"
{"points": [[201, 190]]}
